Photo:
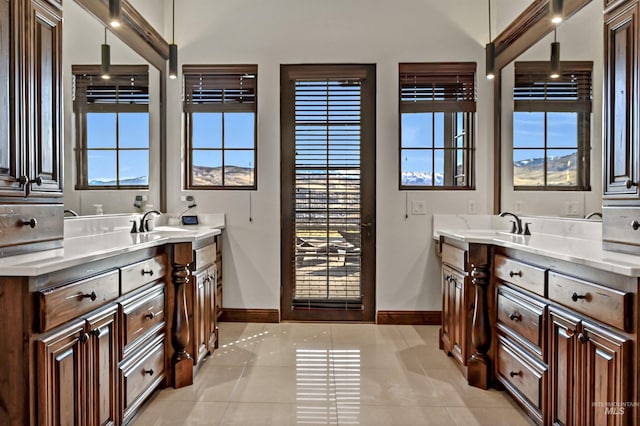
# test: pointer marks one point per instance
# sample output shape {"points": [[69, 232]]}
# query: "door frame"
{"points": [[288, 73]]}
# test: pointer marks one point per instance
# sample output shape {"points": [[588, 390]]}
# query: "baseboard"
{"points": [[250, 315], [409, 317]]}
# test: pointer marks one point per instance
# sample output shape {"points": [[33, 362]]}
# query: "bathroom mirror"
{"points": [[579, 41], [83, 35]]}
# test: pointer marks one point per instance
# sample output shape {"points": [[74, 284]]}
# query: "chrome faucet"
{"points": [[517, 223], [593, 214], [144, 225]]}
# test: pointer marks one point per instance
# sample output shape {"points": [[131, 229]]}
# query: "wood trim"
{"points": [[409, 317], [135, 31], [250, 315]]}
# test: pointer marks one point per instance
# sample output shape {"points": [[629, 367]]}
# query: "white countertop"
{"points": [[82, 249], [583, 249]]}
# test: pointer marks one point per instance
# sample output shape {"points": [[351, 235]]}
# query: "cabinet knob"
{"points": [[515, 274], [583, 338], [149, 372], [575, 296], [514, 373], [96, 332], [92, 296], [147, 272], [31, 222], [84, 337], [570, 332], [629, 183], [37, 181], [635, 225], [515, 316], [23, 180], [150, 315]]}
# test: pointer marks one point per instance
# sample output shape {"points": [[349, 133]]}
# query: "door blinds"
{"points": [[327, 193]]}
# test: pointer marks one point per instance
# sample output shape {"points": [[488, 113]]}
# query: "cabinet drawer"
{"points": [[60, 304], [204, 256], [454, 256], [521, 274], [141, 273], [601, 303], [140, 315], [47, 224], [618, 226], [522, 376], [140, 375], [522, 316]]}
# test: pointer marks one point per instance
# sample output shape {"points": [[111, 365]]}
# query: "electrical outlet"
{"points": [[517, 207], [183, 198], [418, 207], [471, 207], [572, 208]]}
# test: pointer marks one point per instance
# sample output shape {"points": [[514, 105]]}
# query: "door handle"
{"points": [[367, 227]]}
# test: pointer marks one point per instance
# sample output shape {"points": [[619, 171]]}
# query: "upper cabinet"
{"points": [[621, 174], [30, 100]]}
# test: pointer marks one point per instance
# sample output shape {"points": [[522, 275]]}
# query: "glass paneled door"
{"points": [[328, 192]]}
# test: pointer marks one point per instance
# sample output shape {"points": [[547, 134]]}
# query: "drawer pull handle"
{"points": [[93, 296], [515, 274], [583, 338], [629, 183], [84, 337], [147, 272], [515, 316], [149, 372], [31, 222], [37, 181], [575, 296], [635, 225], [23, 180], [150, 315], [514, 373]]}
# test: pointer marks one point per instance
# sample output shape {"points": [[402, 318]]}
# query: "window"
{"points": [[112, 127], [551, 126], [220, 115], [437, 113]]}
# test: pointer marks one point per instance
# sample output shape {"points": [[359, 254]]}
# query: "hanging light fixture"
{"points": [[556, 11], [490, 53], [173, 48], [114, 13], [105, 63], [555, 57]]}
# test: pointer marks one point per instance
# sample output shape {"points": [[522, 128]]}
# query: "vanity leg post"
{"points": [[479, 365], [182, 362]]}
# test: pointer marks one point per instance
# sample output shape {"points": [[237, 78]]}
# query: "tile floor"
{"points": [[295, 373]]}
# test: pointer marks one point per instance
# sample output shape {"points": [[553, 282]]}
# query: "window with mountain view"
{"points": [[112, 126], [551, 126], [220, 104], [437, 115]]}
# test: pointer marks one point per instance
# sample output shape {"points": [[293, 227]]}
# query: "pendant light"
{"points": [[555, 57], [490, 53], [105, 64], [556, 7], [173, 48], [114, 13]]}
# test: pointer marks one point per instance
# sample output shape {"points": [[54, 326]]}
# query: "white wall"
{"points": [[331, 31]]}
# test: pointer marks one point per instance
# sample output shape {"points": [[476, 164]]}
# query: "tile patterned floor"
{"points": [[345, 374]]}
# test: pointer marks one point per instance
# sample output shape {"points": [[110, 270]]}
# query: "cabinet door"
{"points": [[62, 375], [621, 138], [448, 296], [200, 317], [605, 357], [212, 303], [102, 371], [45, 172], [11, 148], [461, 314], [562, 367]]}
